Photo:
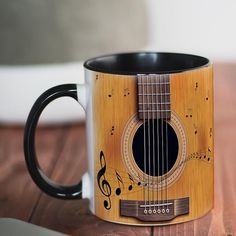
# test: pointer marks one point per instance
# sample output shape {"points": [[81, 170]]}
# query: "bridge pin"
{"points": [[158, 211], [154, 211], [150, 211], [167, 210], [145, 211], [163, 210]]}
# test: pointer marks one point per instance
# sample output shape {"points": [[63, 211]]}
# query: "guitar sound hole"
{"points": [[159, 146]]}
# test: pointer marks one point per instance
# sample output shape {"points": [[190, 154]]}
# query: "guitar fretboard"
{"points": [[154, 97]]}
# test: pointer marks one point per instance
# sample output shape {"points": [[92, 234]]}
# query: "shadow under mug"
{"points": [[138, 173]]}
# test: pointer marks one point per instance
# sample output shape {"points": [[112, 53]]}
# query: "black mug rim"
{"points": [[134, 63]]}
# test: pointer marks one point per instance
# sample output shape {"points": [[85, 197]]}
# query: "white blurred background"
{"points": [[203, 27]]}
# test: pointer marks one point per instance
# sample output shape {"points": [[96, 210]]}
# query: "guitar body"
{"points": [[135, 186]]}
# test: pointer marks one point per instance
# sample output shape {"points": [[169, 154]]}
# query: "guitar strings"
{"points": [[162, 140], [166, 116], [144, 141], [158, 157], [159, 153], [165, 138], [153, 143], [149, 144]]}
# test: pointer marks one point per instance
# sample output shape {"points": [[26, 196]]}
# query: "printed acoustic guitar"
{"points": [[153, 146]]}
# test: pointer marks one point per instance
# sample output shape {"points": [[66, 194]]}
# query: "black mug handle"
{"points": [[43, 182]]}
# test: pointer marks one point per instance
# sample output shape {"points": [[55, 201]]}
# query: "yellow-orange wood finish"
{"points": [[115, 103]]}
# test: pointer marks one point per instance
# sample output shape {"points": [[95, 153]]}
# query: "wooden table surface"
{"points": [[62, 154]]}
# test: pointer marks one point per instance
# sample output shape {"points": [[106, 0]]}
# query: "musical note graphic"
{"points": [[131, 182], [139, 182], [111, 93], [120, 181], [210, 132], [103, 184], [195, 128], [189, 112], [126, 92]]}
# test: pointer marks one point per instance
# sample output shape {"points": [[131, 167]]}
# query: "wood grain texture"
{"points": [[19, 195], [192, 119]]}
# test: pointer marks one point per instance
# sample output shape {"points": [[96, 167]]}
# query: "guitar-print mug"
{"points": [[149, 126]]}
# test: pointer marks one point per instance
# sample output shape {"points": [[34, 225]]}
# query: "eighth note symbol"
{"points": [[210, 132], [131, 182], [111, 93], [119, 179]]}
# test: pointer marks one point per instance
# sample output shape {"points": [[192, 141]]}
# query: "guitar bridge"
{"points": [[161, 210]]}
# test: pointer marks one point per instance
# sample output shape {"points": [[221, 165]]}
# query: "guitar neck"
{"points": [[154, 97]]}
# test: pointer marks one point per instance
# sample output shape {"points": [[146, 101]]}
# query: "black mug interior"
{"points": [[145, 63]]}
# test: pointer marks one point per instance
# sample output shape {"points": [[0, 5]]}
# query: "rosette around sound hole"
{"points": [[155, 147]]}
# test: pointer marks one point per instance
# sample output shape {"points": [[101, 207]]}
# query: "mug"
{"points": [[149, 119]]}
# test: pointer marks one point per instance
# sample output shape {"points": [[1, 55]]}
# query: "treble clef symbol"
{"points": [[103, 184]]}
